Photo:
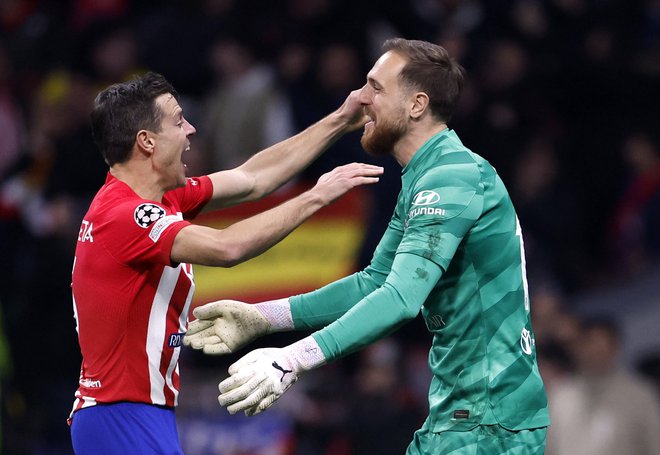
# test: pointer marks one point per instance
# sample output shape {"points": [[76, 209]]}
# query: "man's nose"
{"points": [[365, 94]]}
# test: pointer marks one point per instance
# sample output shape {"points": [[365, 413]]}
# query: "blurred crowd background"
{"points": [[562, 98]]}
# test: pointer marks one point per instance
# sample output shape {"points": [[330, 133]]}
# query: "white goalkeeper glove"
{"points": [[225, 326], [260, 377]]}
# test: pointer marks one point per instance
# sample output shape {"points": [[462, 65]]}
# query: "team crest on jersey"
{"points": [[526, 341], [147, 214]]}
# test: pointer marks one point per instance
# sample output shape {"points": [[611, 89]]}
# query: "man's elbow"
{"points": [[227, 255], [408, 313], [215, 251]]}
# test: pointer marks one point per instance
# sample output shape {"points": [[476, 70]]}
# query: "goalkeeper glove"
{"points": [[260, 377], [225, 326]]}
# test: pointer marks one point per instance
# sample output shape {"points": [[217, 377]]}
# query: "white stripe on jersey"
{"points": [[156, 331], [183, 324], [86, 403], [73, 298]]}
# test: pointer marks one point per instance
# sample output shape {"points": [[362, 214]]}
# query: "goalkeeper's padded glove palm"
{"points": [[225, 326]]}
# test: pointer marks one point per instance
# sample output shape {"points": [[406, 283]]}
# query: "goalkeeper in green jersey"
{"points": [[453, 250]]}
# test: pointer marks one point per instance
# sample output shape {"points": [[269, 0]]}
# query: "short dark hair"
{"points": [[431, 70], [123, 109]]}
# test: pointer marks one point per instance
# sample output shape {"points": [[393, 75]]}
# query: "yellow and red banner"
{"points": [[323, 249]]}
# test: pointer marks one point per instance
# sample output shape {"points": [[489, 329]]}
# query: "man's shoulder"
{"points": [[453, 166]]}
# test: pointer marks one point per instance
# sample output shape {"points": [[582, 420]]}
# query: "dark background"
{"points": [[562, 98]]}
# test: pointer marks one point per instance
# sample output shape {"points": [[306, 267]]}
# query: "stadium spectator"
{"points": [[246, 111], [453, 251], [602, 409], [132, 279], [634, 228]]}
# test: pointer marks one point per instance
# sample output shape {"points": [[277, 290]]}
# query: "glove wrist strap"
{"points": [[277, 313], [305, 354]]}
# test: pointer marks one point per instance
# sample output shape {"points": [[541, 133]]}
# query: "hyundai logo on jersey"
{"points": [[426, 197]]}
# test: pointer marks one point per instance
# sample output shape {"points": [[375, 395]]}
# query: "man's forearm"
{"points": [[384, 310], [254, 235], [325, 305], [276, 165]]}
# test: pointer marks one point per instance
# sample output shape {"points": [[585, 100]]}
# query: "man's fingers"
{"points": [[216, 349], [197, 326], [250, 401], [247, 359], [262, 405], [200, 343], [209, 311], [216, 309], [365, 180], [205, 332], [236, 380], [238, 387]]}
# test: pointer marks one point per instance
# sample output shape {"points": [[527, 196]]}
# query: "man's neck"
{"points": [[140, 178], [409, 144]]}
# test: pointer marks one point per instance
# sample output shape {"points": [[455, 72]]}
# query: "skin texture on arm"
{"points": [[271, 168], [252, 236], [383, 311]]}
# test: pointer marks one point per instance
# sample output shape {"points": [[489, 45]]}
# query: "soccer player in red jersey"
{"points": [[132, 277]]}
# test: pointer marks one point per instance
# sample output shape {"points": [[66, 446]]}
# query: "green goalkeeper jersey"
{"points": [[454, 250]]}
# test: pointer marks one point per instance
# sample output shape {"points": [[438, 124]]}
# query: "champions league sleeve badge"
{"points": [[147, 214]]}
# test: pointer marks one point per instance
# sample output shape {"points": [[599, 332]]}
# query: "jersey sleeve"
{"points": [[139, 233], [323, 306], [395, 303], [192, 197], [444, 204]]}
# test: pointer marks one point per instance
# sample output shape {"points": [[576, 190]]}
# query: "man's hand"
{"points": [[352, 111], [260, 377], [257, 380], [225, 326], [341, 179]]}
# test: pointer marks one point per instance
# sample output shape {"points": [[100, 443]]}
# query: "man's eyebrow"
{"points": [[178, 112]]}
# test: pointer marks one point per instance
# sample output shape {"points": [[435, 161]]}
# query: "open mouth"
{"points": [[187, 149], [370, 123]]}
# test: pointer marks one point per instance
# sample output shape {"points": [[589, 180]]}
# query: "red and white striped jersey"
{"points": [[130, 301]]}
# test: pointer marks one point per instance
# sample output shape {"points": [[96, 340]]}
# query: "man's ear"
{"points": [[145, 142], [419, 105]]}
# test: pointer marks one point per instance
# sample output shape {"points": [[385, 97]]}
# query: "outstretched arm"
{"points": [[225, 326], [269, 169], [258, 379], [252, 236]]}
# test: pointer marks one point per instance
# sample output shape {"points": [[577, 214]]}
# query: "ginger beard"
{"points": [[380, 136]]}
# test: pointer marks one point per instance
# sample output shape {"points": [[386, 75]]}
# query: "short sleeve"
{"points": [[192, 197], [140, 232], [443, 205]]}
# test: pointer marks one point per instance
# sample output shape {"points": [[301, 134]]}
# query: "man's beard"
{"points": [[382, 138]]}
